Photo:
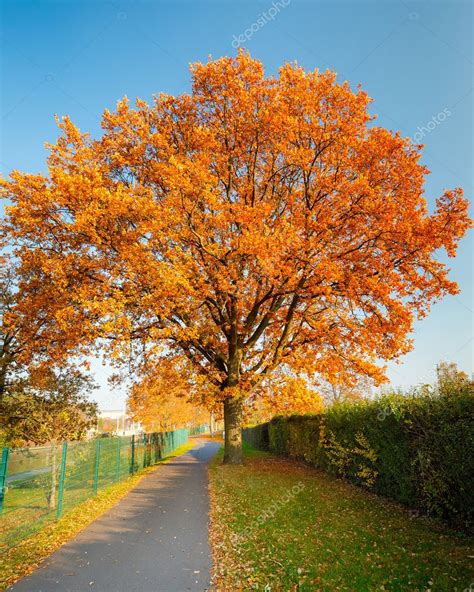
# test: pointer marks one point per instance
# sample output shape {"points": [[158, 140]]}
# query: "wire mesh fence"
{"points": [[38, 484], [200, 429]]}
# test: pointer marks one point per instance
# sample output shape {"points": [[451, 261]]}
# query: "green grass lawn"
{"points": [[280, 525]]}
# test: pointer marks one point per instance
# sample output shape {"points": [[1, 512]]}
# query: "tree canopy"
{"points": [[254, 224], [48, 407]]}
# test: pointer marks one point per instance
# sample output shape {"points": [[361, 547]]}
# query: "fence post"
{"points": [[146, 454], [133, 455], [118, 458], [3, 475], [62, 476], [96, 465]]}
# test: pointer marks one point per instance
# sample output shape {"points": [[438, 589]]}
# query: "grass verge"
{"points": [[27, 554], [281, 525]]}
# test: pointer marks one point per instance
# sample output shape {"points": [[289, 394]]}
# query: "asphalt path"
{"points": [[154, 540]]}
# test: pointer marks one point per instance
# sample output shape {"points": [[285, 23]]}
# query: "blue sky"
{"points": [[413, 58]]}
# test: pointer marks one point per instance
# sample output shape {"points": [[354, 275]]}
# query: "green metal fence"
{"points": [[201, 429], [39, 484]]}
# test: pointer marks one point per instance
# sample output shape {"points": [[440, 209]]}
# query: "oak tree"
{"points": [[256, 223], [9, 346]]}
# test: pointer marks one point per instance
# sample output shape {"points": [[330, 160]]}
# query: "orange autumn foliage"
{"points": [[290, 396], [256, 223], [161, 401]]}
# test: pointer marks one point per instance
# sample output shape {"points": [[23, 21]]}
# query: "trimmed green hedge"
{"points": [[417, 450]]}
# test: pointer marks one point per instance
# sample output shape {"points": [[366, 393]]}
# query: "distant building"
{"points": [[118, 422]]}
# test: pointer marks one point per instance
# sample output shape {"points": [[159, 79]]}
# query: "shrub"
{"points": [[417, 449], [257, 436]]}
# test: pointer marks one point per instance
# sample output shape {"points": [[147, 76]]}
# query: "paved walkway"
{"points": [[154, 540]]}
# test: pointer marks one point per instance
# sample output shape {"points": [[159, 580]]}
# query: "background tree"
{"points": [[48, 408], [450, 379], [286, 396], [338, 391], [106, 425], [257, 223], [161, 399]]}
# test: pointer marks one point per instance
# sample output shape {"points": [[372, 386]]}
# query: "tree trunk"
{"points": [[210, 425], [233, 432]]}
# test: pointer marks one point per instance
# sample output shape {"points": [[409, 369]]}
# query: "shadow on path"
{"points": [[154, 540]]}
